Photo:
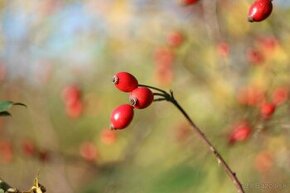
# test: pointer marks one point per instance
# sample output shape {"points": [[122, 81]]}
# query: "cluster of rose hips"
{"points": [[87, 150], [254, 97], [140, 97], [164, 57], [257, 54], [29, 149], [264, 48], [260, 10]]}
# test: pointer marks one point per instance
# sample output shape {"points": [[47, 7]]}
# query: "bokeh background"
{"points": [[223, 70]]}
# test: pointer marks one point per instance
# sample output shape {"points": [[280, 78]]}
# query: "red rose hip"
{"points": [[125, 81], [71, 94], [28, 147], [175, 39], [280, 95], [267, 110], [260, 10], [122, 116], [108, 137], [241, 132], [141, 97], [88, 151], [255, 56]]}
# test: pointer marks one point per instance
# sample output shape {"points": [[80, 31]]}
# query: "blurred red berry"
{"points": [[250, 96], [71, 94], [3, 72], [141, 97], [175, 39], [72, 97], [280, 95], [28, 148], [241, 132], [43, 155], [260, 10], [268, 43], [267, 109], [223, 49], [188, 2], [255, 56], [75, 110], [122, 116], [164, 57], [6, 151], [88, 151], [182, 132], [48, 7], [164, 75], [125, 81], [263, 161], [108, 137]]}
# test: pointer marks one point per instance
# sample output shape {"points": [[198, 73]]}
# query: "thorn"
{"points": [[20, 104], [160, 99]]}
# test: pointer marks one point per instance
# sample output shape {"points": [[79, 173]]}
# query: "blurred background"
{"points": [[231, 76]]}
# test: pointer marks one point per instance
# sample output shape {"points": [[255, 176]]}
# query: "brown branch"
{"points": [[211, 147], [163, 95]]}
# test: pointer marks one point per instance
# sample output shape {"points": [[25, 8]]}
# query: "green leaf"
{"points": [[1, 191], [5, 105]]}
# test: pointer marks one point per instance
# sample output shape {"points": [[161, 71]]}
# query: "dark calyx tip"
{"points": [[133, 101], [112, 127], [115, 79], [250, 19]]}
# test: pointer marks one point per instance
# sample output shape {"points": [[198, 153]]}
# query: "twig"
{"points": [[170, 98]]}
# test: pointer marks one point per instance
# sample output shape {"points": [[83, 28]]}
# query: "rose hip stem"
{"points": [[168, 96]]}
